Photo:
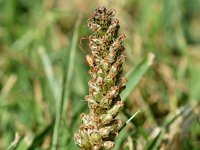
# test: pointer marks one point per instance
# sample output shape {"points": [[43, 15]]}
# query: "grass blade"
{"points": [[69, 71], [49, 73], [135, 75], [67, 77], [123, 134], [133, 79], [129, 120], [14, 143], [39, 139], [120, 139]]}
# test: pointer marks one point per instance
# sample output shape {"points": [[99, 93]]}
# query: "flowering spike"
{"points": [[99, 127]]}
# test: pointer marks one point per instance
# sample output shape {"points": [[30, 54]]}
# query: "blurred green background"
{"points": [[43, 44]]}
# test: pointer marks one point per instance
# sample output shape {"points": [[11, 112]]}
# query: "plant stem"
{"points": [[66, 79]]}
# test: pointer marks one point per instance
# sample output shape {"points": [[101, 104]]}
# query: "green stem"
{"points": [[66, 80], [129, 120]]}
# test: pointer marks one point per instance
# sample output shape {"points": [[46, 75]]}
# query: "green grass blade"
{"points": [[49, 73], [20, 143], [135, 75], [14, 143], [120, 139], [133, 79], [72, 53], [67, 77], [123, 134], [129, 120], [39, 139]]}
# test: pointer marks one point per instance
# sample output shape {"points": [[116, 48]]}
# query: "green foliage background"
{"points": [[43, 44]]}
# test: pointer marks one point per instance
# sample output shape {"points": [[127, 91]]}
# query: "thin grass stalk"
{"points": [[65, 93]]}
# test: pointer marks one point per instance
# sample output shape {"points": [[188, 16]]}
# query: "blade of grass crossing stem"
{"points": [[120, 139], [67, 77], [135, 75], [129, 120], [123, 135]]}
